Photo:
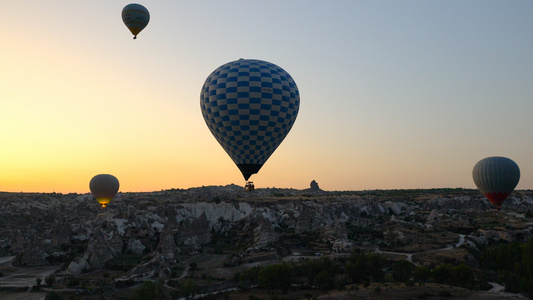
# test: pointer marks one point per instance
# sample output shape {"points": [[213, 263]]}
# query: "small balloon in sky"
{"points": [[136, 17], [249, 106], [496, 177], [104, 187]]}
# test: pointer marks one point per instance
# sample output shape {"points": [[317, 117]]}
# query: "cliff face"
{"points": [[40, 228]]}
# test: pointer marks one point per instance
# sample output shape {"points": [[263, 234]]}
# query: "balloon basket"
{"points": [[249, 186]]}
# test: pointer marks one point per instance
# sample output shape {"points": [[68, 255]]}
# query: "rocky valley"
{"points": [[200, 241]]}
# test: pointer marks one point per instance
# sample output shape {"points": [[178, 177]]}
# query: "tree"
{"points": [[249, 277], [460, 275], [146, 290], [312, 268], [513, 264], [38, 281], [364, 267], [421, 274], [324, 280], [193, 266], [276, 276], [442, 274], [161, 292], [152, 290], [189, 288], [463, 276], [402, 270]]}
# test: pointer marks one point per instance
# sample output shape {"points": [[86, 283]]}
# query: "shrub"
{"points": [[73, 282], [50, 280], [53, 296]]}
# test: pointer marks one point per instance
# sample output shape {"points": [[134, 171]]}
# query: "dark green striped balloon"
{"points": [[135, 17]]}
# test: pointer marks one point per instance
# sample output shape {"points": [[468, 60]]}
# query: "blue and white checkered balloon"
{"points": [[250, 106]]}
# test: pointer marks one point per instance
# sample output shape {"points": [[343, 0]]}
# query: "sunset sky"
{"points": [[394, 94]]}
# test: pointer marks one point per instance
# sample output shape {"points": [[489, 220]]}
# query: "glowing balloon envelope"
{"points": [[136, 17], [249, 106], [496, 177], [104, 187]]}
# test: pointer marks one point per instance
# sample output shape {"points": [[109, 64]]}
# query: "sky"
{"points": [[394, 94]]}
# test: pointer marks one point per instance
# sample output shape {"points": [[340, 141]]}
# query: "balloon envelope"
{"points": [[496, 177], [104, 187], [249, 106], [136, 17]]}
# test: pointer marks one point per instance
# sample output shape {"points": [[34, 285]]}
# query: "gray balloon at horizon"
{"points": [[496, 177], [249, 106], [104, 187]]}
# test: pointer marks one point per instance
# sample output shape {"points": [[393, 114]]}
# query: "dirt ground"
{"points": [[22, 295], [379, 291]]}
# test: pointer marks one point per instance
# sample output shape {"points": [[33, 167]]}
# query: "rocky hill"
{"points": [[160, 231]]}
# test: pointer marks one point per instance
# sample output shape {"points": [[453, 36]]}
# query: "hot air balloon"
{"points": [[104, 187], [136, 17], [249, 106], [496, 177]]}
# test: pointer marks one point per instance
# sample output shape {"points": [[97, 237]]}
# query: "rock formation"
{"points": [[314, 186], [161, 226]]}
